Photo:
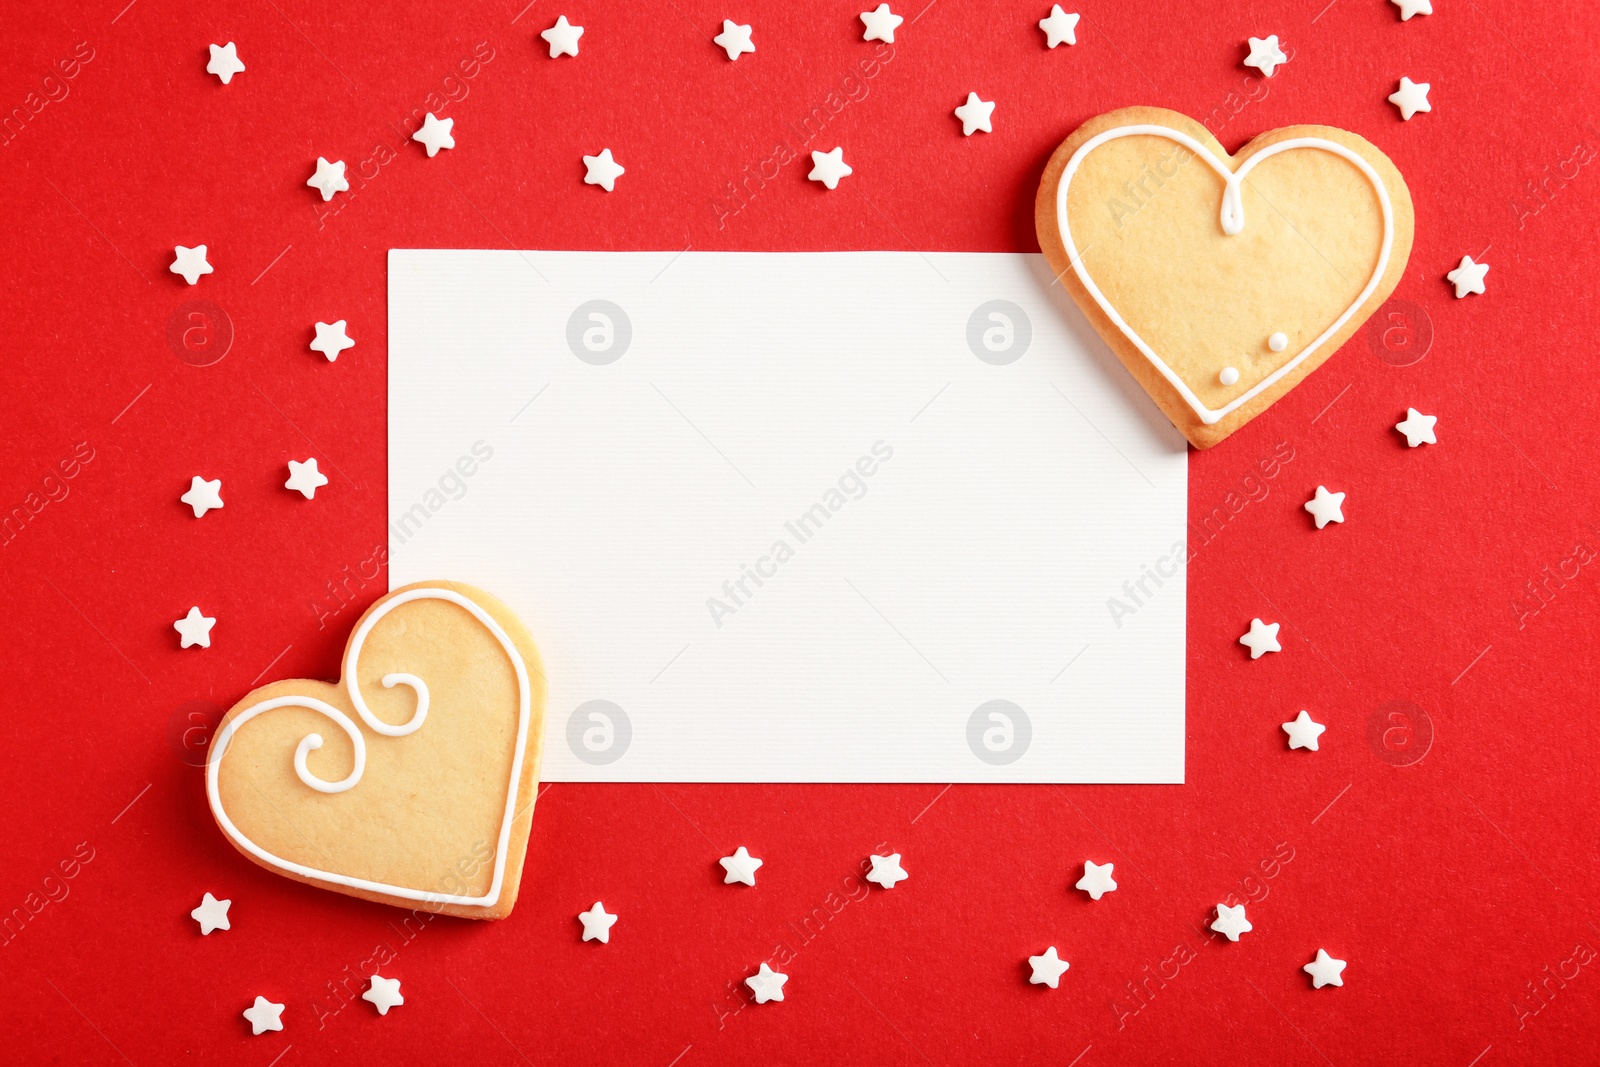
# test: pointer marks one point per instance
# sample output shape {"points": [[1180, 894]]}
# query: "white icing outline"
{"points": [[313, 741], [1232, 218]]}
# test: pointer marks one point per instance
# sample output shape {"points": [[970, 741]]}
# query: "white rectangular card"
{"points": [[791, 517]]}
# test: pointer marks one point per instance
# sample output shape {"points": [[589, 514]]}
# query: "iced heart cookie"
{"points": [[1221, 281], [410, 782]]}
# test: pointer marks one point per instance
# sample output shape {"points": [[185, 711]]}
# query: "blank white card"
{"points": [[791, 517]]}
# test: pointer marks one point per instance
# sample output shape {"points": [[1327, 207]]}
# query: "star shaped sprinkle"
{"points": [[1048, 968], [828, 167], [1418, 428], [1468, 277], [1262, 638], [304, 478], [734, 39], [1230, 922], [562, 38], [740, 867], [886, 871], [1303, 732], [224, 62], [212, 914], [331, 339], [1059, 27], [190, 262], [974, 115], [203, 496], [1409, 8], [264, 1015], [1326, 507], [383, 994], [1096, 880], [597, 924], [1411, 98], [329, 179], [602, 170], [767, 984], [195, 629], [880, 24], [1325, 970], [435, 134], [1265, 55]]}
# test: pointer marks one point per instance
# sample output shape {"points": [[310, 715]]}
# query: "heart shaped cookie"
{"points": [[1221, 281], [411, 781]]}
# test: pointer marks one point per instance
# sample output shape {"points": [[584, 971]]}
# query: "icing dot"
{"points": [[1229, 375], [1278, 341]]}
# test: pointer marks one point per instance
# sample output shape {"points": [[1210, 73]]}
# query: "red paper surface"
{"points": [[1459, 887]]}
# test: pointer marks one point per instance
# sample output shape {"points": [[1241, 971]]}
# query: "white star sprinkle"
{"points": [[562, 38], [1411, 98], [602, 170], [264, 1015], [203, 496], [829, 167], [734, 39], [383, 994], [190, 262], [767, 984], [886, 871], [1412, 7], [331, 339], [597, 924], [1096, 880], [329, 179], [212, 914], [880, 24], [195, 629], [224, 62], [1418, 428], [435, 134], [1230, 922], [1303, 732], [1262, 638], [1325, 970], [1059, 27], [740, 867], [1468, 277], [304, 478], [1265, 55], [975, 114], [1047, 969], [1326, 507]]}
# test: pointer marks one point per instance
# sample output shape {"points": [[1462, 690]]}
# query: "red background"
{"points": [[1449, 883]]}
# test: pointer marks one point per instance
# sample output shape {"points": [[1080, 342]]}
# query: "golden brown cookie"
{"points": [[410, 782], [1221, 281]]}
